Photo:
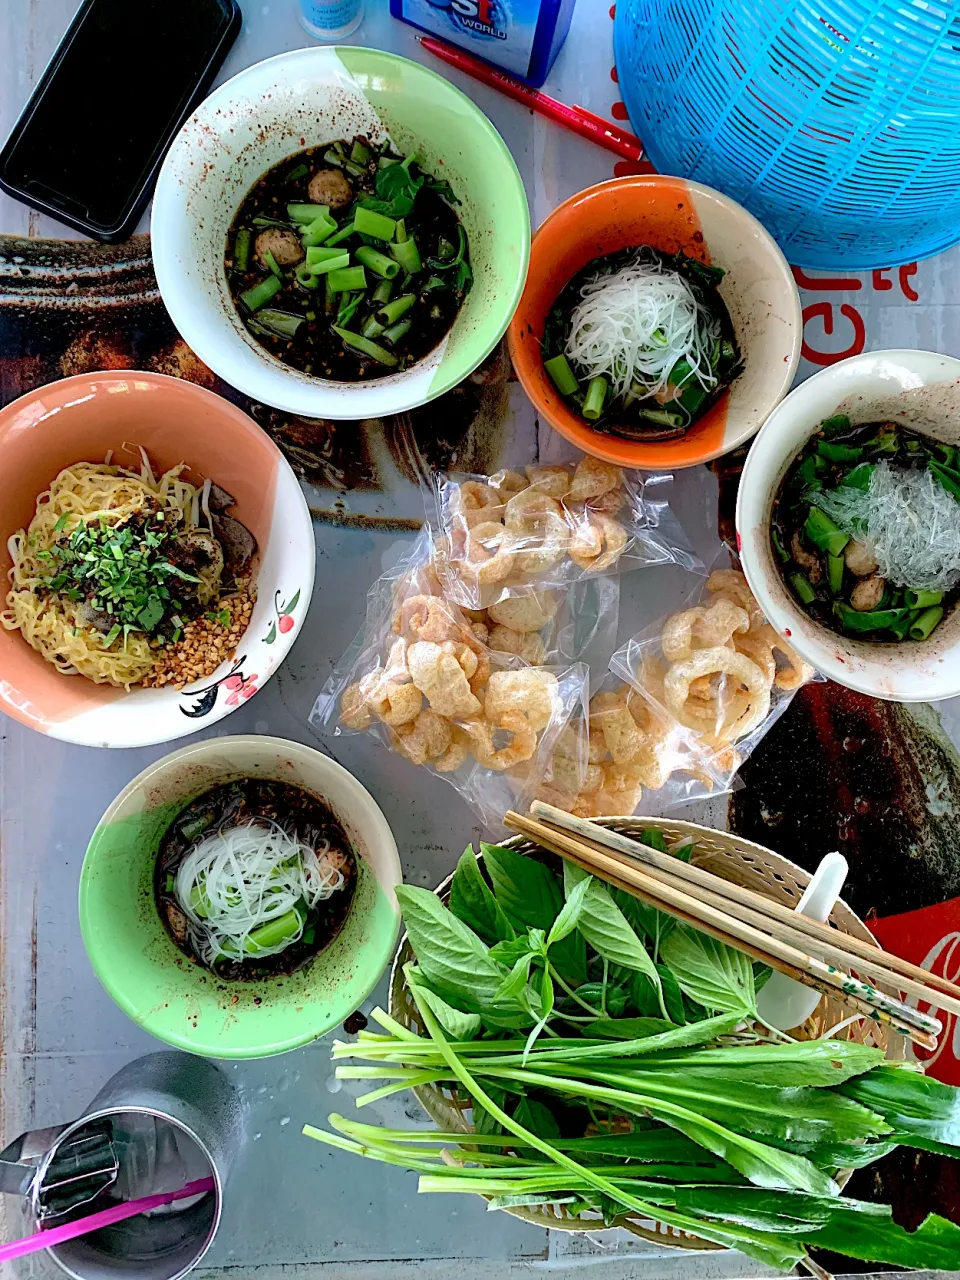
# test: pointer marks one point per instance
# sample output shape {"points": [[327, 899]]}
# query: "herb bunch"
{"points": [[614, 1064], [122, 570]]}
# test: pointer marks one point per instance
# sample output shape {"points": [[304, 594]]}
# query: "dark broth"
{"points": [[296, 323], [684, 400], [818, 563], [300, 814]]}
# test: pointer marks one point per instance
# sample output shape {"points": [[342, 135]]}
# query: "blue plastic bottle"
{"points": [[522, 37]]}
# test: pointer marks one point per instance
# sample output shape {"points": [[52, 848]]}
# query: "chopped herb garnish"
{"points": [[111, 635], [61, 523], [222, 617]]}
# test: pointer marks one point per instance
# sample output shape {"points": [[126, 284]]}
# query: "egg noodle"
{"points": [[86, 493]]}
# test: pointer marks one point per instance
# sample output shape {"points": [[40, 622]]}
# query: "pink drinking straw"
{"points": [[105, 1218]]}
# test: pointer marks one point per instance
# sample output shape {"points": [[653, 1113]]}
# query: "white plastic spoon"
{"points": [[782, 1002]]}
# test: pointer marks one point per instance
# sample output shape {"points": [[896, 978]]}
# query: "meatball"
{"points": [[330, 187], [860, 559], [805, 559], [284, 245], [867, 594]]}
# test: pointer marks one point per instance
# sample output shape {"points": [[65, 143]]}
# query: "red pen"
{"points": [[577, 119]]}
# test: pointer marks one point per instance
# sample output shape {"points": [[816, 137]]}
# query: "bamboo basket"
{"points": [[734, 859]]}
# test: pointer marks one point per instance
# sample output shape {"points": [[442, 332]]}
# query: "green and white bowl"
{"points": [[182, 1003], [306, 98]]}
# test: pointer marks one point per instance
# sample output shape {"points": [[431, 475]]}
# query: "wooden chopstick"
{"points": [[919, 1037], [743, 936], [849, 951]]}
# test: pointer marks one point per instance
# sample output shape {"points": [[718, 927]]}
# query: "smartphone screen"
{"points": [[119, 86]]}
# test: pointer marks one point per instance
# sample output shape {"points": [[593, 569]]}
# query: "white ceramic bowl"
{"points": [[306, 98], [919, 389]]}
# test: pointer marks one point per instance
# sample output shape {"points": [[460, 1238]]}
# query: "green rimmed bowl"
{"points": [[182, 1003], [303, 99]]}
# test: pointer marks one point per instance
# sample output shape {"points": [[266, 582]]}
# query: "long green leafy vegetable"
{"points": [[616, 1065]]}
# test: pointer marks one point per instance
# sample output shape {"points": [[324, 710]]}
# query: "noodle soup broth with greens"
{"points": [[254, 878], [641, 344]]}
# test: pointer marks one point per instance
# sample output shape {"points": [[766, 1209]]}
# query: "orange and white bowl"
{"points": [[669, 214], [81, 419]]}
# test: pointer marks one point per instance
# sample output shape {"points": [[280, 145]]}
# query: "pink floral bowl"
{"points": [[81, 419]]}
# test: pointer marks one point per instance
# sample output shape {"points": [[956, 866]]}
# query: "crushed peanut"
{"points": [[205, 644]]}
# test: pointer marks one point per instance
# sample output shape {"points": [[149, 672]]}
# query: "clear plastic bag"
{"points": [[684, 703], [419, 677], [511, 535]]}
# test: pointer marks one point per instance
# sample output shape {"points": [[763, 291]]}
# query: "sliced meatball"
{"points": [[867, 594], [237, 541], [805, 559], [284, 245], [219, 499], [330, 187], [860, 559]]}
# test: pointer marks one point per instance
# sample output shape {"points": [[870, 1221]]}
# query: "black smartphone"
{"points": [[126, 75]]}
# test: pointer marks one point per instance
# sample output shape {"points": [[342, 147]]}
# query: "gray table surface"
{"points": [[295, 1208]]}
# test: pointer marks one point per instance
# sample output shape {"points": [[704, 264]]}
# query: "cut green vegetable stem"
{"points": [[378, 262], [559, 371], [921, 629], [922, 599], [593, 401], [396, 308], [347, 278], [241, 248], [261, 293], [370, 223], [307, 213], [365, 346], [398, 331], [407, 255], [383, 291]]}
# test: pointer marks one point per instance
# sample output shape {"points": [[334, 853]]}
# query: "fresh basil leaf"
{"points": [[653, 838], [515, 983], [617, 996], [510, 951], [709, 972], [537, 941], [645, 997], [605, 927], [854, 1228], [458, 1025], [472, 901], [761, 975], [396, 181], [684, 853], [447, 951], [401, 206], [923, 1112], [625, 1028], [546, 1008], [527, 891], [566, 921]]}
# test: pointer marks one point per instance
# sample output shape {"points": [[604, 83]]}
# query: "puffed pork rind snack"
{"points": [[513, 533], [419, 678], [717, 670]]}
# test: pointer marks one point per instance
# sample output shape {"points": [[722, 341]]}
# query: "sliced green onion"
{"points": [[261, 293], [349, 305], [563, 378], [398, 331], [923, 625], [336, 262], [370, 223], [272, 263], [824, 533], [241, 248], [318, 231], [396, 308], [782, 553], [306, 278], [307, 213], [662, 417], [343, 234], [922, 599], [273, 932], [801, 585], [360, 154], [366, 347], [383, 291], [408, 255], [344, 279], [283, 323], [835, 573], [873, 620], [372, 328], [378, 262], [262, 221], [593, 401]]}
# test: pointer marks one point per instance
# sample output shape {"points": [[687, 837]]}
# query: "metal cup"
{"points": [[193, 1097]]}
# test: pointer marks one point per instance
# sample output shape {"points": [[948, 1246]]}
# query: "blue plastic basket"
{"points": [[837, 124]]}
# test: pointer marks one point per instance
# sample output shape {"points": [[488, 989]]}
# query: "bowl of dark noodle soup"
{"points": [[237, 898]]}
